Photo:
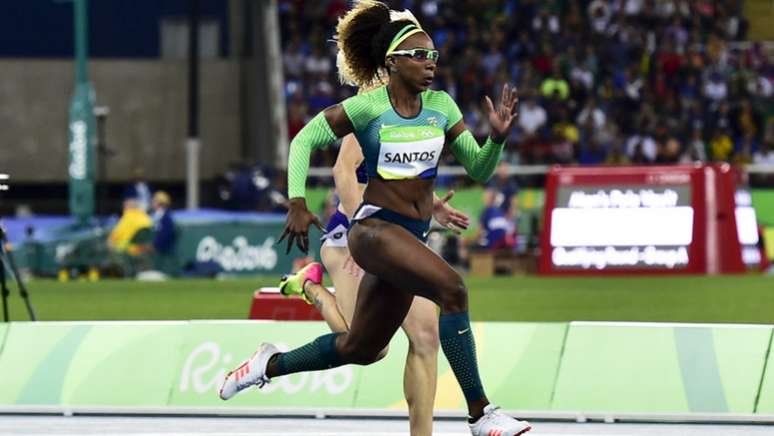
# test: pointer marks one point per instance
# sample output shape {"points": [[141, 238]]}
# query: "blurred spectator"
{"points": [[504, 187], [531, 116], [668, 151], [743, 155], [715, 88], [616, 156], [317, 64], [293, 59], [496, 230], [555, 85], [591, 114], [321, 98], [596, 143], [624, 66], [296, 119], [641, 148], [765, 155], [721, 145], [132, 221], [747, 120], [139, 191], [696, 151], [565, 138], [163, 225], [599, 13]]}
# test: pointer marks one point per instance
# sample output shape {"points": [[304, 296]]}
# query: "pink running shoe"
{"points": [[293, 284]]}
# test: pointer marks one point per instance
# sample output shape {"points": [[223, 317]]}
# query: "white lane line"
{"points": [[306, 433]]}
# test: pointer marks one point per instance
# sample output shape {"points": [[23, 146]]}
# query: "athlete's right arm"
{"points": [[323, 129], [350, 156]]}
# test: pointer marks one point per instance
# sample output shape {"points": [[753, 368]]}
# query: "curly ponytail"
{"points": [[354, 35], [363, 36]]}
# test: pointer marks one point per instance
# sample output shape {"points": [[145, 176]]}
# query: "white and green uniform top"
{"points": [[395, 148], [399, 148]]}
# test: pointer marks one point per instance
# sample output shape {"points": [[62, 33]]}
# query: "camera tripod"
{"points": [[7, 261]]}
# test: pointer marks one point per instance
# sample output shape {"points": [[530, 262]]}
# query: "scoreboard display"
{"points": [[627, 226], [747, 229], [655, 219]]}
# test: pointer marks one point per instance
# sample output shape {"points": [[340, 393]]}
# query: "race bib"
{"points": [[409, 152]]}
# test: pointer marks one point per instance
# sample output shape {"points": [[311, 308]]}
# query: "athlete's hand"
{"points": [[448, 216], [501, 118], [297, 225]]}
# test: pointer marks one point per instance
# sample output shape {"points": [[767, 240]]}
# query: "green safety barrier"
{"points": [[182, 364], [765, 404], [526, 366], [666, 368], [517, 361], [211, 349], [118, 364], [3, 331]]}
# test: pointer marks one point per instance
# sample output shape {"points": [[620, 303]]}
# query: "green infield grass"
{"points": [[724, 299]]}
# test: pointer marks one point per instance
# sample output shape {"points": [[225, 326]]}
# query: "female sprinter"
{"points": [[421, 323], [402, 128]]}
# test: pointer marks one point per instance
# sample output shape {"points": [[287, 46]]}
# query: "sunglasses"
{"points": [[418, 54]]}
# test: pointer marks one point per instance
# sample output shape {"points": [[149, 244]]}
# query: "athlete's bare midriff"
{"points": [[412, 198]]}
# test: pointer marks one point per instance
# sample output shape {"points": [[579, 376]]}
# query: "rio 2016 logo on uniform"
{"points": [[240, 256], [205, 368]]}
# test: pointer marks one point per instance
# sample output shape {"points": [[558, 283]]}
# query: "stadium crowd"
{"points": [[601, 81]]}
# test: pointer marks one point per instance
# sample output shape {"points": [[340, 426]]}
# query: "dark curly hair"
{"points": [[363, 36]]}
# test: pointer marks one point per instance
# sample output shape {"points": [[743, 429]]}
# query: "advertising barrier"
{"points": [[580, 367], [765, 403], [211, 349], [518, 364], [236, 243], [662, 367], [126, 364], [208, 242]]}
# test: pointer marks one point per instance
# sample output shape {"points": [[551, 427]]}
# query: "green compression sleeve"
{"points": [[479, 162], [315, 135]]}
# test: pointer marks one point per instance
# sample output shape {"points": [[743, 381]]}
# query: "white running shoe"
{"points": [[250, 372], [496, 423]]}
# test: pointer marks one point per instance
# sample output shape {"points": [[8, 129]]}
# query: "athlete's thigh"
{"points": [[379, 311], [345, 283], [392, 253]]}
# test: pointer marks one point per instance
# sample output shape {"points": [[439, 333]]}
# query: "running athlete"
{"points": [[402, 128], [421, 323]]}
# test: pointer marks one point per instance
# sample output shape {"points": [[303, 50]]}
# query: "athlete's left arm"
{"points": [[480, 162]]}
